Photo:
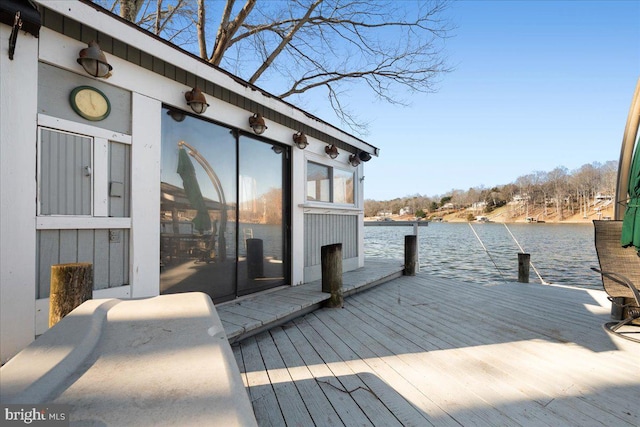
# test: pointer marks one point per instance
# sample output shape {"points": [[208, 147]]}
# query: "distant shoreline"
{"points": [[506, 215]]}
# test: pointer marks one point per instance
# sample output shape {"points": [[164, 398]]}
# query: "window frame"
{"points": [[331, 168]]}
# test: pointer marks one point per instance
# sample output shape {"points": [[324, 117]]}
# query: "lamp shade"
{"points": [[256, 122], [196, 100], [364, 156], [300, 139], [94, 61], [331, 150]]}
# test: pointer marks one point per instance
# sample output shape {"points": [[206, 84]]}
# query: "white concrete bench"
{"points": [[158, 361]]}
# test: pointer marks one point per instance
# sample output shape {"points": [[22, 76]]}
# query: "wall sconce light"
{"points": [[300, 139], [94, 61], [176, 115], [196, 100], [257, 124], [354, 160], [364, 156], [331, 150]]}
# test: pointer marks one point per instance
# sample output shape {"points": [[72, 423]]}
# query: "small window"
{"points": [[328, 184]]}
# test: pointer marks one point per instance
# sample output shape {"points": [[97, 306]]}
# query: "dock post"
{"points": [[255, 258], [70, 285], [523, 267], [410, 255], [416, 231], [331, 259]]}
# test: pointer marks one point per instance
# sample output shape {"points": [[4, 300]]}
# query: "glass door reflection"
{"points": [[197, 208], [262, 215]]}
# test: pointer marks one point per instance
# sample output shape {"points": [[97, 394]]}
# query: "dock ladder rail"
{"points": [[247, 233]]}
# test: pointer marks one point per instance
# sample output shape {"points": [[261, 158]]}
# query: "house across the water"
{"points": [[162, 190]]}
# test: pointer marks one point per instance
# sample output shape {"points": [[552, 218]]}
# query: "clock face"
{"points": [[90, 103]]}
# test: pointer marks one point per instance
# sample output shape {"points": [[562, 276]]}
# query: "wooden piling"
{"points": [[523, 267], [71, 285], [255, 258], [331, 259], [410, 255]]}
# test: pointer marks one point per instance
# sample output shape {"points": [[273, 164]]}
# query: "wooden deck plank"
{"points": [[442, 385], [541, 326], [403, 411], [277, 308], [236, 324], [596, 333], [524, 300], [553, 371], [406, 412], [237, 354], [350, 384], [250, 314], [413, 328], [290, 401], [302, 301], [238, 317], [261, 392], [346, 408], [430, 351], [317, 403], [312, 293], [491, 385], [229, 326], [557, 367]]}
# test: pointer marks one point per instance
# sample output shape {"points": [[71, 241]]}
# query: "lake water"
{"points": [[561, 253]]}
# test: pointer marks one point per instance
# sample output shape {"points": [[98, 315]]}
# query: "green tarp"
{"points": [[631, 221], [202, 221]]}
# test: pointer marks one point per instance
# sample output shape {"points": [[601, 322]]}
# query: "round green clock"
{"points": [[90, 103]]}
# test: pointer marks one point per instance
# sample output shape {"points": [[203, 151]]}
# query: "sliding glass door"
{"points": [[223, 217]]}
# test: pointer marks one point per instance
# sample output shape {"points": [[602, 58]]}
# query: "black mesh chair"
{"points": [[620, 272]]}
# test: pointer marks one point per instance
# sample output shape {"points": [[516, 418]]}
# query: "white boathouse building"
{"points": [[123, 173]]}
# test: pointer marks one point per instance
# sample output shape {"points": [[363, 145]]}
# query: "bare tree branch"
{"points": [[153, 16], [168, 15], [346, 32], [113, 6], [227, 29], [285, 41], [202, 39], [344, 113], [295, 47], [129, 9], [158, 14]]}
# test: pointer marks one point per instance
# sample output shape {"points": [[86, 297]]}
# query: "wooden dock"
{"points": [[421, 351], [396, 223]]}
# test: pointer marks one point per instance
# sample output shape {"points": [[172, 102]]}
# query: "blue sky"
{"points": [[536, 85]]}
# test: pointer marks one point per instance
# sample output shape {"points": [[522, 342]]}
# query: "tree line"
{"points": [[564, 191]]}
